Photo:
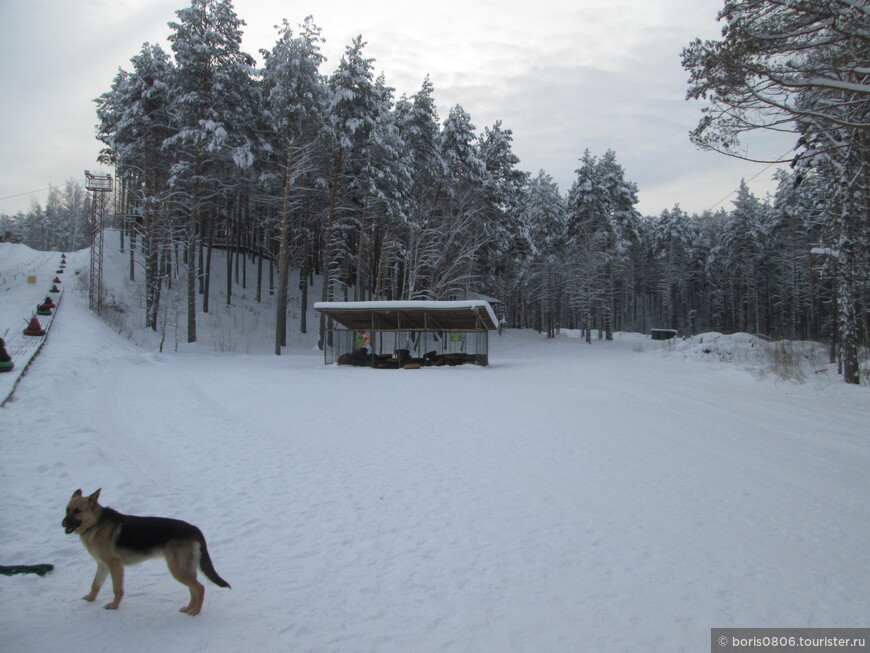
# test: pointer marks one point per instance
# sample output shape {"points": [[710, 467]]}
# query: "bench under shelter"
{"points": [[407, 334]]}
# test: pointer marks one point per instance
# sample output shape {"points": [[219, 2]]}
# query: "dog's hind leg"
{"points": [[182, 565], [99, 579], [197, 593], [197, 596]]}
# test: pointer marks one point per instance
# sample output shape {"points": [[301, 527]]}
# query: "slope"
{"points": [[568, 497]]}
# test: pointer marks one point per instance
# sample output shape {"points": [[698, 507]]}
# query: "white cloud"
{"points": [[563, 75]]}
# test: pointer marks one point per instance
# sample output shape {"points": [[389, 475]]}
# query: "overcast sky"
{"points": [[564, 75]]}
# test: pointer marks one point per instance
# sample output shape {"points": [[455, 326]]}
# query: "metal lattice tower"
{"points": [[98, 185]]}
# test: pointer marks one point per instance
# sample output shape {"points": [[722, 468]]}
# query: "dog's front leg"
{"points": [[99, 579], [116, 568]]}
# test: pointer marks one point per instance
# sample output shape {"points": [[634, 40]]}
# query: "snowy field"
{"points": [[609, 497]]}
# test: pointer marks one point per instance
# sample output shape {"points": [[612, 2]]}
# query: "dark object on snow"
{"points": [[49, 302], [54, 289], [39, 570], [454, 359], [34, 328], [45, 307], [4, 355], [429, 359], [663, 334], [6, 363], [358, 358]]}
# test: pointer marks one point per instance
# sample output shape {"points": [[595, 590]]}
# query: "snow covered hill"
{"points": [[569, 497]]}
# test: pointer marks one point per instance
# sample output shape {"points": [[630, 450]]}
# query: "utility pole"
{"points": [[98, 186]]}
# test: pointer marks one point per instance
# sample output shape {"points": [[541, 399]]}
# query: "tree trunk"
{"points": [[205, 270], [284, 256], [327, 245], [191, 279]]}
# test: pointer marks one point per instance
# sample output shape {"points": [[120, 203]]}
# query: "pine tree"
{"points": [[796, 229], [211, 97], [744, 239], [134, 123], [294, 94], [498, 231], [352, 111], [385, 184], [539, 299], [417, 120], [461, 204], [602, 229], [671, 244]]}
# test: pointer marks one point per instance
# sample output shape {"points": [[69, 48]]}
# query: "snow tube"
{"points": [[34, 328]]}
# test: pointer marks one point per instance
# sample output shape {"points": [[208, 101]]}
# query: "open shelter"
{"points": [[407, 334]]}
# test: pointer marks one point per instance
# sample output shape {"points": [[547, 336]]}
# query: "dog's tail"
{"points": [[206, 565]]}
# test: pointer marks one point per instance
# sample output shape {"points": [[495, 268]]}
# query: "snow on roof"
{"points": [[468, 315]]}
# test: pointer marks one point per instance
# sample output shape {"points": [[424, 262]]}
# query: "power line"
{"points": [[753, 177], [30, 192]]}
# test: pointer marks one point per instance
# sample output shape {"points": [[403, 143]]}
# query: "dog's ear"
{"points": [[93, 498], [77, 493]]}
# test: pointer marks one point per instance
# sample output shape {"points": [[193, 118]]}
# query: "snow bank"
{"points": [[785, 359]]}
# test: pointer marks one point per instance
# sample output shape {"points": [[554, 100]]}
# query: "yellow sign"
{"points": [[31, 279]]}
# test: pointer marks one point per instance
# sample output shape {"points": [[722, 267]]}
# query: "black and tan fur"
{"points": [[115, 540]]}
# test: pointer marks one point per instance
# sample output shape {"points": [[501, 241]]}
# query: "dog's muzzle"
{"points": [[70, 525]]}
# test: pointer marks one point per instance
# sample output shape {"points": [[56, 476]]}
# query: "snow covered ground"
{"points": [[618, 496], [26, 282]]}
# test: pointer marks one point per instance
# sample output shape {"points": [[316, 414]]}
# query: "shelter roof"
{"points": [[471, 315]]}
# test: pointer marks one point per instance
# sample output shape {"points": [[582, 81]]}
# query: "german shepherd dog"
{"points": [[115, 540]]}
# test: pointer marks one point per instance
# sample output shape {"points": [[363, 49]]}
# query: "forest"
{"points": [[332, 176]]}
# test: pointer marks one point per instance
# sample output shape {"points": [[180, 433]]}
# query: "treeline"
{"points": [[334, 176], [62, 224], [758, 267]]}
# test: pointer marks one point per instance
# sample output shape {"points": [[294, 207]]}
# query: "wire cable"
{"points": [[752, 178]]}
